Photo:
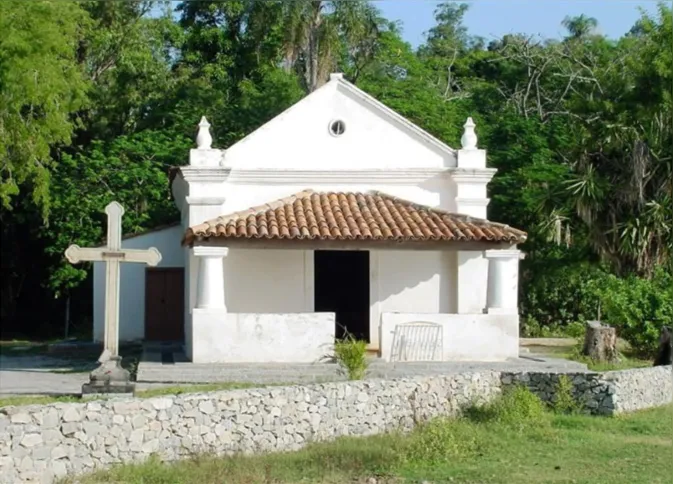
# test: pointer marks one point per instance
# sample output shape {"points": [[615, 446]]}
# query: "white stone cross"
{"points": [[112, 255]]}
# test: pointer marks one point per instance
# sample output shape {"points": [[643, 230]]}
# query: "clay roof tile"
{"points": [[351, 216]]}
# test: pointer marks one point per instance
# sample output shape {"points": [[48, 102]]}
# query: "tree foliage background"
{"points": [[98, 100]]}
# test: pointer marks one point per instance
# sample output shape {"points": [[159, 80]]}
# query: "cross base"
{"points": [[109, 378]]}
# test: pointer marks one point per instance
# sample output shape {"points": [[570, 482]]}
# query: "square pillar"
{"points": [[503, 281]]}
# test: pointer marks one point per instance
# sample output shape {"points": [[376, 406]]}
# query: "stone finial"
{"points": [[204, 140], [469, 138], [335, 75]]}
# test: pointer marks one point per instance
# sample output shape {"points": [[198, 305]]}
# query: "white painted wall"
{"points": [[372, 139], [221, 337], [266, 281], [434, 191], [282, 281], [465, 337], [410, 281], [132, 282], [471, 283], [415, 281]]}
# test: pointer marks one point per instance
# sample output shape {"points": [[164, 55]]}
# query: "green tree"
{"points": [[41, 87], [127, 56], [618, 187], [317, 30], [132, 170], [399, 78]]}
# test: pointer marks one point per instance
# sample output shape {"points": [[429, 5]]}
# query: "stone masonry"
{"points": [[608, 393], [40, 443], [640, 388]]}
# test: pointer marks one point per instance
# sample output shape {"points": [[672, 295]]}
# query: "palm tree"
{"points": [[580, 26]]}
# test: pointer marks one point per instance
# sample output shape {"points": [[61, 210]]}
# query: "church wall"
{"points": [[435, 192], [415, 281], [411, 281], [266, 281], [132, 282], [460, 337], [371, 138]]}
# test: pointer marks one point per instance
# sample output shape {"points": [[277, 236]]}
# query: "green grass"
{"points": [[179, 389], [572, 351], [154, 392], [22, 348], [36, 400], [627, 360], [500, 444]]}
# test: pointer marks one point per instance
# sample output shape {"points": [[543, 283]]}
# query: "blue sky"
{"points": [[495, 18]]}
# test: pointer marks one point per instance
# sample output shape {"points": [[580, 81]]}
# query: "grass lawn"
{"points": [[536, 448]]}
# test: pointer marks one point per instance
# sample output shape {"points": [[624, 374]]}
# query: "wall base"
{"points": [[221, 337], [449, 337]]}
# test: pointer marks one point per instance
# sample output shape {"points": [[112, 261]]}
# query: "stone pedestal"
{"points": [[109, 378]]}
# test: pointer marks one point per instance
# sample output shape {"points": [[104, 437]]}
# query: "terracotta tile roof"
{"points": [[351, 216]]}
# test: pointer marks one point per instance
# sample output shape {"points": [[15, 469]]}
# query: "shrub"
{"points": [[555, 296], [351, 355], [564, 400], [532, 329], [439, 440], [517, 407], [576, 329], [638, 308]]}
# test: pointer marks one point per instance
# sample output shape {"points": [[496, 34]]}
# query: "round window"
{"points": [[337, 128]]}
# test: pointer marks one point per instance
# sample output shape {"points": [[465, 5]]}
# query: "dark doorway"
{"points": [[342, 287], [164, 304]]}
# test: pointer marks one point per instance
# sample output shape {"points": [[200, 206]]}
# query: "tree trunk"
{"points": [[313, 52], [664, 356], [600, 342]]}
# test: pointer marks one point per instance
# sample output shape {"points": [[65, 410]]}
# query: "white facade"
{"points": [[247, 304]]}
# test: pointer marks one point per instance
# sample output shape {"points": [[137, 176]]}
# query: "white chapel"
{"points": [[336, 217]]}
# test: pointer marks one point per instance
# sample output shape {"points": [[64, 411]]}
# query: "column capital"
{"points": [[210, 251], [503, 254]]}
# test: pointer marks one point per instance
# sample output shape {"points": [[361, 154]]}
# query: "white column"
{"points": [[503, 281], [210, 278]]}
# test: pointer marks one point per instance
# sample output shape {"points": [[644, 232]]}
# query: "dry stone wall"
{"points": [[608, 393], [640, 388], [41, 443], [588, 388]]}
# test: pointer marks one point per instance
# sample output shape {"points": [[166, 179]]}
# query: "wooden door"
{"points": [[164, 304]]}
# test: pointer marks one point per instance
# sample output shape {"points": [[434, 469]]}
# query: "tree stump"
{"points": [[600, 342], [664, 356]]}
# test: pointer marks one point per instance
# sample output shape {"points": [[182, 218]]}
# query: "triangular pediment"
{"points": [[339, 126]]}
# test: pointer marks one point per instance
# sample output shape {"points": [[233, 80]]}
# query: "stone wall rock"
{"points": [[40, 443], [640, 388], [608, 393]]}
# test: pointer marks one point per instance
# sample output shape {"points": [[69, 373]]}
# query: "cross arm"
{"points": [[151, 256], [76, 254]]}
